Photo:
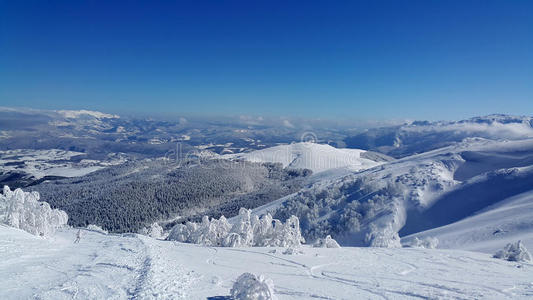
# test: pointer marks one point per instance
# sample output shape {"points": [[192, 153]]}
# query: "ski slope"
{"points": [[316, 157], [137, 267]]}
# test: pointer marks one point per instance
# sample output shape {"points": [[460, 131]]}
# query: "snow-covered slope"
{"points": [[137, 267], [316, 157], [417, 193], [504, 222]]}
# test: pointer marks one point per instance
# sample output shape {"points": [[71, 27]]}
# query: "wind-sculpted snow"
{"points": [[23, 210], [369, 208], [247, 231]]}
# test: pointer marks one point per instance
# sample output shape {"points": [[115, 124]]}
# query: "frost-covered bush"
{"points": [[327, 242], [96, 228], [23, 210], [514, 252], [251, 287], [247, 231], [154, 231], [427, 242], [383, 236]]}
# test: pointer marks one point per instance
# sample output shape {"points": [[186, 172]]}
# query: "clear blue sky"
{"points": [[330, 59]]}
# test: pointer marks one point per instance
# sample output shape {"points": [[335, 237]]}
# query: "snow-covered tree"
{"points": [[327, 242], [251, 287], [23, 210], [385, 237], [154, 231], [514, 252], [247, 231]]}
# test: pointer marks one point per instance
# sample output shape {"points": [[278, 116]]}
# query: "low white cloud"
{"points": [[288, 124], [494, 130]]}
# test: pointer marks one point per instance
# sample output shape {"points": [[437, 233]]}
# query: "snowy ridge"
{"points": [[316, 157]]}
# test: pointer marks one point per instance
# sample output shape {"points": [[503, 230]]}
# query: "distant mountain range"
{"points": [[421, 136]]}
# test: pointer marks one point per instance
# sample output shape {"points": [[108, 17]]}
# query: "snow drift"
{"points": [[23, 210], [245, 232]]}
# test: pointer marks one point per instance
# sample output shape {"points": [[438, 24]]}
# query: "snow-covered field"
{"points": [[137, 267]]}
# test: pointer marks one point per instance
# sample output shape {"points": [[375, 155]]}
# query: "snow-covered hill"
{"points": [[137, 267], [417, 193], [316, 157]]}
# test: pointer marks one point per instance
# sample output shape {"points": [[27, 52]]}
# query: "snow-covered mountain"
{"points": [[421, 136], [416, 193], [316, 157], [73, 114], [462, 186]]}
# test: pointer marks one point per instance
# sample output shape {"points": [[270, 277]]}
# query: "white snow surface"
{"points": [[307, 155], [488, 230], [133, 266]]}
